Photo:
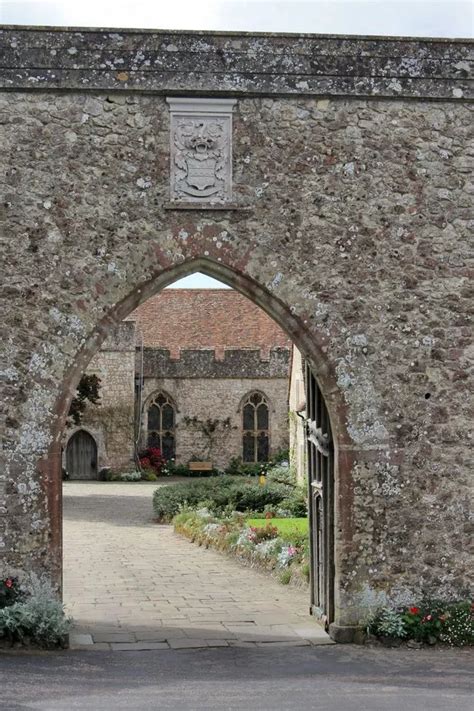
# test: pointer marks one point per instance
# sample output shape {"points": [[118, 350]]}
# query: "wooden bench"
{"points": [[200, 466]]}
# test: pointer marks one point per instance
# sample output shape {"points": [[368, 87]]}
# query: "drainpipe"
{"points": [[139, 408]]}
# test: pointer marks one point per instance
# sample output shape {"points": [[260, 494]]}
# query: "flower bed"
{"points": [[429, 622], [283, 553]]}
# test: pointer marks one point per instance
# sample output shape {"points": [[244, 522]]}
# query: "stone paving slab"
{"points": [[132, 585]]}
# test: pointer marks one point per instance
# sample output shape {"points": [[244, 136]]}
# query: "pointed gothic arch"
{"points": [[311, 346]]}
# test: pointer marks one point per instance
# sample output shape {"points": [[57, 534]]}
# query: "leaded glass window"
{"points": [[255, 429], [161, 425]]}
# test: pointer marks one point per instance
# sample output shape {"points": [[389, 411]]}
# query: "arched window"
{"points": [[161, 425], [255, 426]]}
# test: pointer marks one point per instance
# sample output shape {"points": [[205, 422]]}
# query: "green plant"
{"points": [[218, 493], [10, 592], [263, 533], [387, 622], [38, 618], [458, 625], [148, 475], [285, 576], [130, 476], [295, 503], [281, 474], [87, 391]]}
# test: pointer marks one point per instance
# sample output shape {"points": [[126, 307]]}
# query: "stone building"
{"points": [[200, 373], [336, 192]]}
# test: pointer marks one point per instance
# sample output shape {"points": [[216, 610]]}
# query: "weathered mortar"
{"points": [[203, 363], [355, 219]]}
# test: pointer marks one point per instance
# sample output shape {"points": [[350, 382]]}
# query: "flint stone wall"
{"points": [[112, 420], [219, 399], [203, 363], [353, 228]]}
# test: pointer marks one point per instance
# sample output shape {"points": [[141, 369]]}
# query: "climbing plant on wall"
{"points": [[211, 429], [87, 391]]}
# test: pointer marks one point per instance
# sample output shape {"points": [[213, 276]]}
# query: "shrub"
{"points": [[167, 500], [130, 476], [282, 474], [237, 468], [458, 625], [38, 618], [219, 494], [295, 504], [148, 475], [387, 623], [10, 592], [263, 533], [152, 458]]}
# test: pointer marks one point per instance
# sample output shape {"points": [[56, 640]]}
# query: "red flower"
{"points": [[9, 583], [414, 610]]}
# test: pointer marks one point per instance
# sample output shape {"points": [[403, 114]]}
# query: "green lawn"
{"points": [[284, 525]]}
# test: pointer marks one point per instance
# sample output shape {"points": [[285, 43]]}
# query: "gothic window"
{"points": [[161, 425], [255, 428]]}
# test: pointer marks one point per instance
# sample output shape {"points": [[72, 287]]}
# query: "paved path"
{"points": [[131, 584]]}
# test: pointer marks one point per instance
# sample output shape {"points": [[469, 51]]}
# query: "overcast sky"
{"points": [[416, 18], [422, 18]]}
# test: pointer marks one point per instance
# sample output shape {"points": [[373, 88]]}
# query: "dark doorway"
{"points": [[81, 456]]}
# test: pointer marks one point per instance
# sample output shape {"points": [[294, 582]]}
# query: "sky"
{"points": [[412, 18], [421, 18]]}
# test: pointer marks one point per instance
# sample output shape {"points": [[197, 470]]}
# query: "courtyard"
{"points": [[131, 584]]}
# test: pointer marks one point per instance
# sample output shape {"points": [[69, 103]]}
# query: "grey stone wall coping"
{"points": [[234, 63]]}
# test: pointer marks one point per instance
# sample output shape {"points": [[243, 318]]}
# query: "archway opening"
{"points": [[322, 553]]}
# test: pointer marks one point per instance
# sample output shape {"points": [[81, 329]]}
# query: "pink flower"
{"points": [[9, 583]]}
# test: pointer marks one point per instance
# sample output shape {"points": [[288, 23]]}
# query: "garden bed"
{"points": [[428, 623], [282, 550]]}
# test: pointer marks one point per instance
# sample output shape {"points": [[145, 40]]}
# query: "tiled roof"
{"points": [[217, 319]]}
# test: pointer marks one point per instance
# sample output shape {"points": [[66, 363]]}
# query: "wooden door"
{"points": [[81, 456], [320, 463]]}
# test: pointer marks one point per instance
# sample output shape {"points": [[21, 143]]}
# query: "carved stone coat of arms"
{"points": [[201, 151]]}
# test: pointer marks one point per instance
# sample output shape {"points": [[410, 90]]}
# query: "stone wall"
{"points": [[351, 225], [111, 420], [203, 363], [219, 399]]}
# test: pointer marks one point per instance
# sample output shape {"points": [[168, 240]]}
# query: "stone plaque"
{"points": [[201, 150]]}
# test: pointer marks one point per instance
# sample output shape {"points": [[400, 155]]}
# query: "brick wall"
{"points": [[206, 318]]}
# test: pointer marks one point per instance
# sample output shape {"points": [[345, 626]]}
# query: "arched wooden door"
{"points": [[81, 456]]}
